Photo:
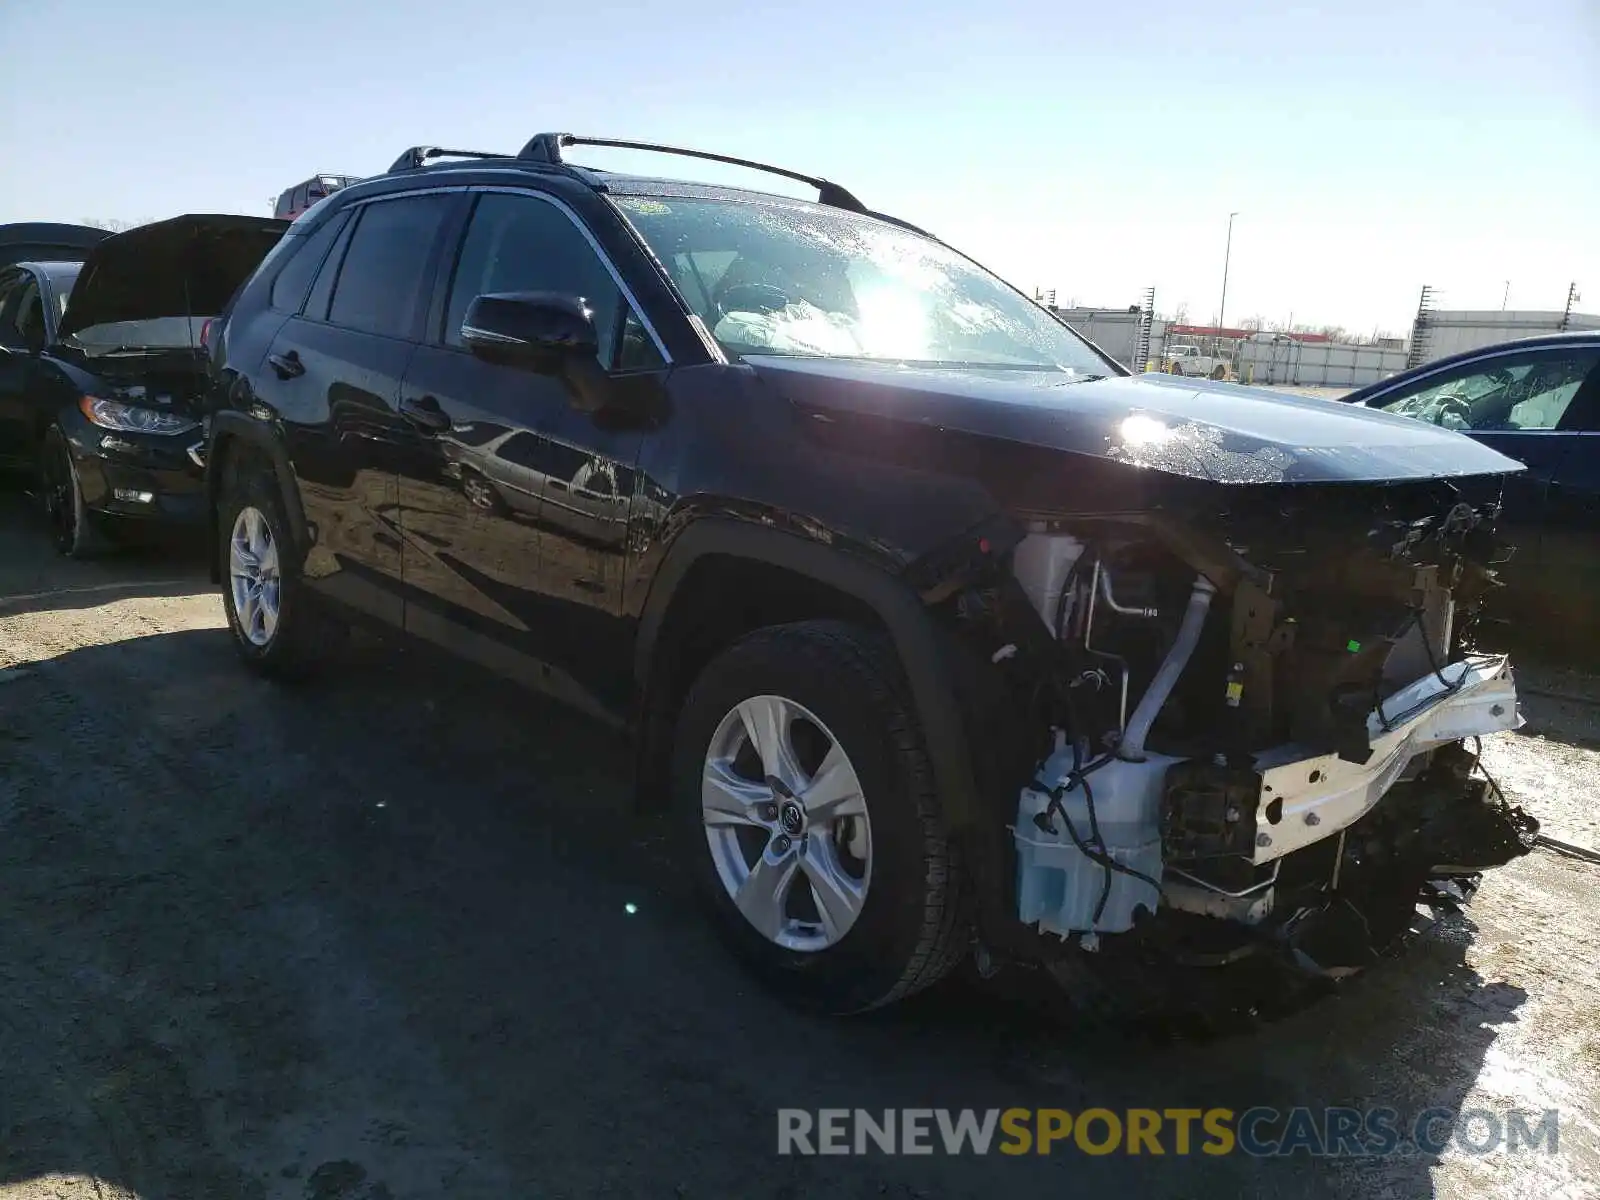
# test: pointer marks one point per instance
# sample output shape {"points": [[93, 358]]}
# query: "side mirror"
{"points": [[543, 331]]}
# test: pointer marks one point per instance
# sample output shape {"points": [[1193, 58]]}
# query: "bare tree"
{"points": [[113, 224]]}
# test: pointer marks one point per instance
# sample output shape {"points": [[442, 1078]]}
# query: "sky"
{"points": [[1096, 149]]}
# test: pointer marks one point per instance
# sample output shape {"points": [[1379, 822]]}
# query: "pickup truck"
{"points": [[1188, 360]]}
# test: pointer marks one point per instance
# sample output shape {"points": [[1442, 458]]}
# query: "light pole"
{"points": [[1222, 305]]}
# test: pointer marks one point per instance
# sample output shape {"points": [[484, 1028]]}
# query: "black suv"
{"points": [[940, 632]]}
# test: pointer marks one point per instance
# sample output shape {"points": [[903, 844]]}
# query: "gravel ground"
{"points": [[399, 934]]}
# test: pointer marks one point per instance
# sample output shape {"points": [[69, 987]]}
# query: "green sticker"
{"points": [[1353, 646], [641, 204]]}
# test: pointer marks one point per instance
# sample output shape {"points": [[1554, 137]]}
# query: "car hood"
{"points": [[1218, 432], [47, 241], [186, 266]]}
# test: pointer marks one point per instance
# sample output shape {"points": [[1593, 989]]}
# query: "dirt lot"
{"points": [[400, 935]]}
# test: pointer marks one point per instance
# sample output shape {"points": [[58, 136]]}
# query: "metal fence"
{"points": [[1273, 359], [1447, 332], [1315, 364]]}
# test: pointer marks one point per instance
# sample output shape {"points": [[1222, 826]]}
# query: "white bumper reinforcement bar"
{"points": [[1314, 798]]}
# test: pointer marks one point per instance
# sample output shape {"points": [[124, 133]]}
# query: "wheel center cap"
{"points": [[792, 818]]}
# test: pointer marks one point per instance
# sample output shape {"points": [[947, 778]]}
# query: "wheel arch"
{"points": [[235, 433], [812, 580]]}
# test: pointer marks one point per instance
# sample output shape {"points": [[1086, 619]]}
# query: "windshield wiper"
{"points": [[129, 351]]}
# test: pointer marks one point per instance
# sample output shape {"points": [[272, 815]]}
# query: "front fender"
{"points": [[918, 640], [231, 429]]}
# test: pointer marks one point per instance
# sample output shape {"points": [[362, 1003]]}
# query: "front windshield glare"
{"points": [[156, 333], [795, 279]]}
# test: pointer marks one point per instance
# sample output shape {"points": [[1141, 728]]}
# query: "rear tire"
{"points": [[278, 629], [74, 529], [1175, 369], [1219, 372], [835, 695]]}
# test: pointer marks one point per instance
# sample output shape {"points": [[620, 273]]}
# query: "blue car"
{"points": [[1536, 400]]}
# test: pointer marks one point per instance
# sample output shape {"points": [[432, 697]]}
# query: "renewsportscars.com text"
{"points": [[1259, 1132]]}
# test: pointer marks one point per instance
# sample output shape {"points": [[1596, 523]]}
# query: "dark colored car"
{"points": [[938, 632], [1536, 400], [100, 396], [47, 241]]}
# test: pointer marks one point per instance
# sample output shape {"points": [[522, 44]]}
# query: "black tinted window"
{"points": [[11, 288], [380, 279], [322, 291], [521, 243], [565, 462], [526, 450], [28, 320], [289, 288]]}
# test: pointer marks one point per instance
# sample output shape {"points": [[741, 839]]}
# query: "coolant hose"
{"points": [[1155, 696]]}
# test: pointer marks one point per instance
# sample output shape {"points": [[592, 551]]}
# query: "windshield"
{"points": [[794, 279], [62, 279], [158, 333]]}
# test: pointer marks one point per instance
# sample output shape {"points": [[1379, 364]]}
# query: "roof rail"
{"points": [[547, 147], [903, 224], [418, 156]]}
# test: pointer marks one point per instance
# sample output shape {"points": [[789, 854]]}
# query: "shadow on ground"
{"points": [[401, 934]]}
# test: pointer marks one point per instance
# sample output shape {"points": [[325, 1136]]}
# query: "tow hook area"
{"points": [[1427, 845]]}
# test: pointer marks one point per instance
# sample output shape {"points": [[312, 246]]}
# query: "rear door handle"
{"points": [[288, 365], [424, 412]]}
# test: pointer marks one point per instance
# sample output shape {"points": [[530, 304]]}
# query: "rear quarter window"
{"points": [[306, 256]]}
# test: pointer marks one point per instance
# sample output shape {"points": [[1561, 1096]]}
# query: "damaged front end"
{"points": [[1249, 728]]}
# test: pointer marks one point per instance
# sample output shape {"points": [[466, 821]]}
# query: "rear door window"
{"points": [[381, 280], [316, 306]]}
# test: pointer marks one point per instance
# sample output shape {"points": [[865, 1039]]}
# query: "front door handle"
{"points": [[288, 365], [424, 412]]}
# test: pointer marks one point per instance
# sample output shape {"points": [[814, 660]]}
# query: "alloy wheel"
{"points": [[253, 576], [786, 822], [477, 491]]}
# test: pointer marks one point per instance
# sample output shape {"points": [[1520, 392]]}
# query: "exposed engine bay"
{"points": [[1253, 725]]}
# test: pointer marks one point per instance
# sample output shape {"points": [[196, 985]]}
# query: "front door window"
{"points": [[1506, 394]]}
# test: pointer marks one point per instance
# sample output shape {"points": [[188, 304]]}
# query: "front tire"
{"points": [[74, 529], [809, 818], [277, 629], [482, 494]]}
